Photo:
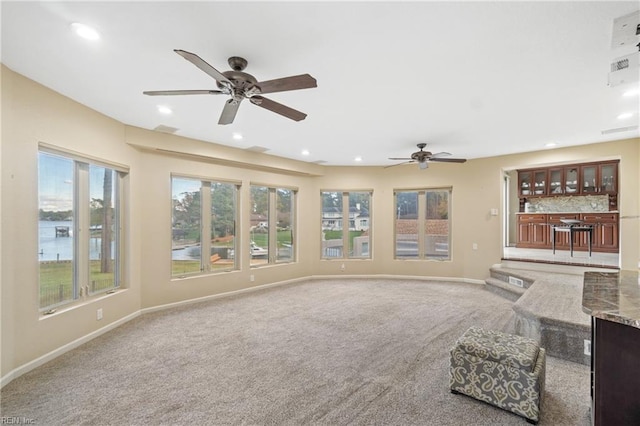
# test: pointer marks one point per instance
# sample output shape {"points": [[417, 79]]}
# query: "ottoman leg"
{"points": [[531, 422]]}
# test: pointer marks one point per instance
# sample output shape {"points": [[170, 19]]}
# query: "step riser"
{"points": [[526, 283], [502, 292]]}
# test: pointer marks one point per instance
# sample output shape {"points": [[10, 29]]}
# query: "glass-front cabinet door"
{"points": [[608, 178], [555, 181], [540, 182], [589, 179], [571, 180], [524, 183]]}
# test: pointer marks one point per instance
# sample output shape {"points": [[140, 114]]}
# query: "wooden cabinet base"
{"points": [[615, 372], [534, 231]]}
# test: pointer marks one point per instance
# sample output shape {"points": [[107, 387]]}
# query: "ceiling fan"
{"points": [[424, 157], [240, 85]]}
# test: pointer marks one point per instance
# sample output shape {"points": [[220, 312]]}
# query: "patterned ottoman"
{"points": [[502, 369]]}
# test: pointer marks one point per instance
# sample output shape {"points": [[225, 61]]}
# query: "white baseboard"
{"points": [[25, 368], [221, 295], [396, 277]]}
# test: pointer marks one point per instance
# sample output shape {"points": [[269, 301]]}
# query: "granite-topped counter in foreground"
{"points": [[612, 296]]}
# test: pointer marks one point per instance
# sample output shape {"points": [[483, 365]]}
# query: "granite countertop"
{"points": [[583, 212], [612, 296]]}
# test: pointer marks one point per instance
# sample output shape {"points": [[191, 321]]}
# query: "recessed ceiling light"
{"points": [[85, 31], [550, 144], [237, 136], [625, 116], [164, 110], [358, 159], [305, 152]]}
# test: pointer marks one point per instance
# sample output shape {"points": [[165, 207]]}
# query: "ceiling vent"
{"points": [[625, 69], [165, 129], [619, 129], [257, 148]]}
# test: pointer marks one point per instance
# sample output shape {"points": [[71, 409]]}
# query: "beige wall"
{"points": [[33, 114]]}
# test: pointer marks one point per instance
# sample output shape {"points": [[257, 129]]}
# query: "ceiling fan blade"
{"points": [[229, 112], [182, 92], [399, 164], [448, 160], [278, 108], [204, 66], [303, 81], [440, 154], [399, 158]]}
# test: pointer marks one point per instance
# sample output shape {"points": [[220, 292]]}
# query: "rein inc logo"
{"points": [[16, 420]]}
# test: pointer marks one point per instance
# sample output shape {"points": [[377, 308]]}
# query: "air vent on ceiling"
{"points": [[620, 65], [257, 149], [625, 69], [165, 129], [619, 129]]}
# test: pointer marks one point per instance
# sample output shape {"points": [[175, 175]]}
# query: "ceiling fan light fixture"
{"points": [[423, 165], [85, 31]]}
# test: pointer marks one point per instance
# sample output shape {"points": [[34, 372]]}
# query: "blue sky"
{"points": [[55, 182]]}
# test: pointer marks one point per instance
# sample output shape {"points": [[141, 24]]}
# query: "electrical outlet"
{"points": [[342, 268], [587, 347], [474, 246], [252, 278], [99, 314]]}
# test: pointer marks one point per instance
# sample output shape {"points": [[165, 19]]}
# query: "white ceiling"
{"points": [[476, 79]]}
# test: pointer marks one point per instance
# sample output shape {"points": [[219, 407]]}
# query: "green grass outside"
{"points": [[261, 240], [56, 281]]}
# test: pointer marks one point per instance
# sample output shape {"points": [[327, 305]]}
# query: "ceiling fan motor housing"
{"points": [[243, 83]]}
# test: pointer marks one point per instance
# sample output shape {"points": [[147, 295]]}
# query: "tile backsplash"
{"points": [[577, 204]]}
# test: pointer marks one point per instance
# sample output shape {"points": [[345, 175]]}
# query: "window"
{"points": [[355, 207], [422, 226], [284, 226], [203, 208], [80, 227], [272, 225]]}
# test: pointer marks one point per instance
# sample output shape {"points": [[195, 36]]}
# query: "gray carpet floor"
{"points": [[325, 352]]}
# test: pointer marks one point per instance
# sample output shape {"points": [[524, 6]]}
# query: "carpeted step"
{"points": [[504, 289], [514, 277]]}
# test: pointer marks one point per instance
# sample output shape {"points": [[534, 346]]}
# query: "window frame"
{"points": [[205, 222], [272, 225], [339, 221], [81, 290], [421, 223]]}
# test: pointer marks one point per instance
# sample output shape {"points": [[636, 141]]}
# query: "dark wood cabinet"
{"points": [[533, 182], [615, 374], [598, 178], [562, 238], [534, 231], [605, 232]]}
